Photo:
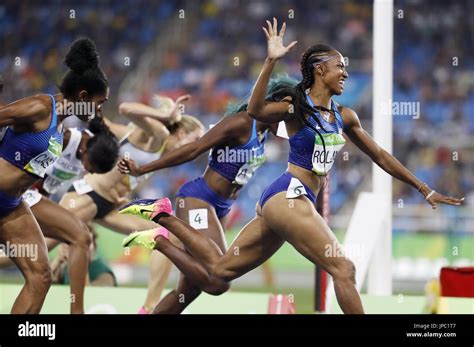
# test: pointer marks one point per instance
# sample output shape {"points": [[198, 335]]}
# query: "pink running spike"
{"points": [[162, 231], [162, 206]]}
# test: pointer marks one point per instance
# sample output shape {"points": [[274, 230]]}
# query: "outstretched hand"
{"points": [[276, 49], [434, 198], [128, 167]]}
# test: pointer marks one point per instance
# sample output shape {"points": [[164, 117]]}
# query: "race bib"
{"points": [[324, 159], [31, 197], [247, 170], [42, 161], [198, 218], [82, 187], [295, 189]]}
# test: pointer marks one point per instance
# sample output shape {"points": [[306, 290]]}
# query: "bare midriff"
{"points": [[13, 180], [221, 185]]}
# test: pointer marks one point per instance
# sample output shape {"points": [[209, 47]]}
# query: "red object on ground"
{"points": [[281, 304], [457, 281]]}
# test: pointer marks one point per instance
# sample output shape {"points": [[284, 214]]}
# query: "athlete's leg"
{"points": [[19, 228], [255, 244], [51, 243], [7, 262], [124, 224], [178, 299], [160, 265], [211, 229], [298, 222], [252, 246], [58, 223], [160, 268], [197, 276]]}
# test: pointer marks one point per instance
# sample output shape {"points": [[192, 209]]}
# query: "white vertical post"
{"points": [[380, 271]]}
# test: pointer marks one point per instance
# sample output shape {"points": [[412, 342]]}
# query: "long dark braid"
{"points": [[315, 54]]}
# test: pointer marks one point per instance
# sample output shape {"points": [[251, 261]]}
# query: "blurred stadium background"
{"points": [[215, 53]]}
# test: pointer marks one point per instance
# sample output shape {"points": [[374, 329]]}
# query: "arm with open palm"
{"points": [[270, 112]]}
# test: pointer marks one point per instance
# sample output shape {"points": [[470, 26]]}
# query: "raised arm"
{"points": [[26, 111], [388, 162], [258, 108], [152, 120], [228, 129]]}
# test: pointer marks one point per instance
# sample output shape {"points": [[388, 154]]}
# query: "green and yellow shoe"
{"points": [[148, 208], [145, 238]]}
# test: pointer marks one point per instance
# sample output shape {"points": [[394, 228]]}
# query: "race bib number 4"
{"points": [[198, 218], [324, 156]]}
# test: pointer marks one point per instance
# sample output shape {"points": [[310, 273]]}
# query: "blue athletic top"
{"points": [[32, 152], [306, 146], [238, 164]]}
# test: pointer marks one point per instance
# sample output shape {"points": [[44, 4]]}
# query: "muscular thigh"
{"points": [[202, 217], [56, 221], [255, 243], [21, 228], [297, 221]]}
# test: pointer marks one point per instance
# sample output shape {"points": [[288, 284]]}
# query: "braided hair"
{"points": [[314, 55]]}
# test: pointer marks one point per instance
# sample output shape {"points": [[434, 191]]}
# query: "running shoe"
{"points": [[145, 238], [148, 208]]}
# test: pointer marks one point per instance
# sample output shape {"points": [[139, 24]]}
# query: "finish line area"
{"points": [[108, 300]]}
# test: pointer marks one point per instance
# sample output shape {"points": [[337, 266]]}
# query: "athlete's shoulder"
{"points": [[31, 109], [349, 116]]}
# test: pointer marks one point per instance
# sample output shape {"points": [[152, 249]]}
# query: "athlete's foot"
{"points": [[149, 209], [146, 238]]}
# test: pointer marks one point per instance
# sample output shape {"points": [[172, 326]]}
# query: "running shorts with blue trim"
{"points": [[199, 189], [8, 203], [289, 184]]}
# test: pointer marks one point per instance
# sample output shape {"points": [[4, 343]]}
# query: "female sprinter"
{"points": [[286, 211], [93, 150], [96, 197], [31, 140], [237, 144]]}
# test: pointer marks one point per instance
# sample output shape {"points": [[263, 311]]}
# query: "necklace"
{"points": [[326, 115]]}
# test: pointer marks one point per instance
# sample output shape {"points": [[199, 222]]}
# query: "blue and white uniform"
{"points": [[237, 164], [307, 151], [61, 175], [32, 152]]}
